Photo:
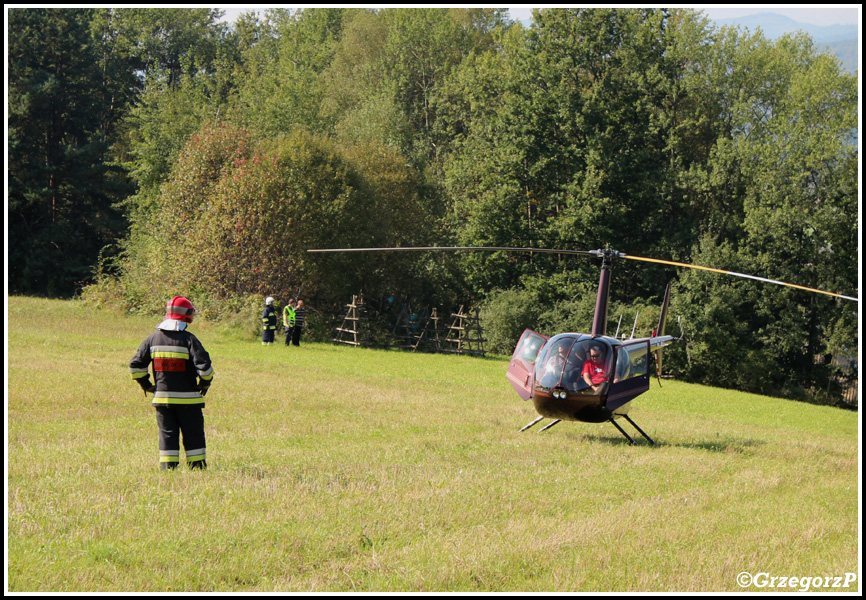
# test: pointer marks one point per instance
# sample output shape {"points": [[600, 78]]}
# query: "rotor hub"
{"points": [[607, 255]]}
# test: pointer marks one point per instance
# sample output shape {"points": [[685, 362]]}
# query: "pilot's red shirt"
{"points": [[596, 372]]}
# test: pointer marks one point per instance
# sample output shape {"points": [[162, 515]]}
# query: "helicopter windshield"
{"points": [[549, 368], [566, 360]]}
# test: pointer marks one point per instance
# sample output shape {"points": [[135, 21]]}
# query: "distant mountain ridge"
{"points": [[840, 40], [774, 26]]}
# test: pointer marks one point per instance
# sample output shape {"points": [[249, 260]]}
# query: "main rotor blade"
{"points": [[596, 253], [452, 248], [735, 274]]}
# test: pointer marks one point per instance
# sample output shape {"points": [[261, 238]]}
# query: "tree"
{"points": [[161, 122], [792, 147], [176, 41], [572, 144], [280, 89], [61, 191], [180, 62], [236, 217]]}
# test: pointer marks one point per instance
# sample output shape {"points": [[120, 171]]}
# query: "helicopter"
{"points": [[588, 377]]}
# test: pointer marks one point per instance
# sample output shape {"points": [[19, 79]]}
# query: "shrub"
{"points": [[504, 316]]}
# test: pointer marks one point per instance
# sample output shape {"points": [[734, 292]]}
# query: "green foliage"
{"points": [[160, 125], [176, 41], [62, 185], [505, 315], [280, 84], [571, 148], [166, 72], [269, 210], [649, 132], [236, 218], [358, 95], [646, 130], [792, 144]]}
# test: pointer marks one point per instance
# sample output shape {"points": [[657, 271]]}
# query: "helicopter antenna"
{"points": [[635, 325], [683, 337], [616, 335]]}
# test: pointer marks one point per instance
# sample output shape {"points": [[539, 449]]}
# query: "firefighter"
{"points": [[182, 375], [269, 322]]}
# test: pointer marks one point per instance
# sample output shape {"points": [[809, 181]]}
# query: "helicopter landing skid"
{"points": [[546, 427], [531, 424], [633, 424]]}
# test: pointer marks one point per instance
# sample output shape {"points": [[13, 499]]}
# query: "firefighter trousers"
{"points": [[174, 420]]}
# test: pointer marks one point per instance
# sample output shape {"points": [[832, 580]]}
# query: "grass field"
{"points": [[333, 469]]}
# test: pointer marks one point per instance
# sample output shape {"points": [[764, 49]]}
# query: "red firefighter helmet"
{"points": [[180, 309]]}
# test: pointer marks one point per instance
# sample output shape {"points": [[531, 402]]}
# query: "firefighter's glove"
{"points": [[203, 388]]}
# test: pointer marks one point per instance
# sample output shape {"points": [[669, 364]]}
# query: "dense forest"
{"points": [[160, 151]]}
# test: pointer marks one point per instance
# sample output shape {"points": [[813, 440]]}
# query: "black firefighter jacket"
{"points": [[181, 367]]}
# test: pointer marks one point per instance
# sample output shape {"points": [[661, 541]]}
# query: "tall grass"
{"points": [[343, 469]]}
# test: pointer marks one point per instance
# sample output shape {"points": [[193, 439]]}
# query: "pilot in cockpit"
{"points": [[556, 360], [552, 369], [594, 373]]}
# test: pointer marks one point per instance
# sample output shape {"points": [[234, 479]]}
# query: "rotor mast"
{"points": [[599, 321]]}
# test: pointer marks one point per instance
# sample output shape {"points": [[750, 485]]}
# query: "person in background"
{"points": [[300, 317], [269, 322], [182, 374], [289, 319]]}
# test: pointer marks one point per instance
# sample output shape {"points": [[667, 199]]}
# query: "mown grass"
{"points": [[342, 469]]}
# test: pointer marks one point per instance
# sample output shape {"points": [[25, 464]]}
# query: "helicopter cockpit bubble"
{"points": [[574, 380], [571, 379], [549, 369], [564, 363]]}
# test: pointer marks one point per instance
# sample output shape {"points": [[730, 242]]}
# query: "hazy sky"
{"points": [[829, 14], [826, 14]]}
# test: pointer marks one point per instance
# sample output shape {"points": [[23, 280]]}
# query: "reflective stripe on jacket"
{"points": [[269, 318]]}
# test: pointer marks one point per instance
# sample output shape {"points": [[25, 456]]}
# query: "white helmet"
{"points": [[269, 301]]}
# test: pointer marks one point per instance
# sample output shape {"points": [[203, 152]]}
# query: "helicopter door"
{"points": [[631, 374], [522, 363]]}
